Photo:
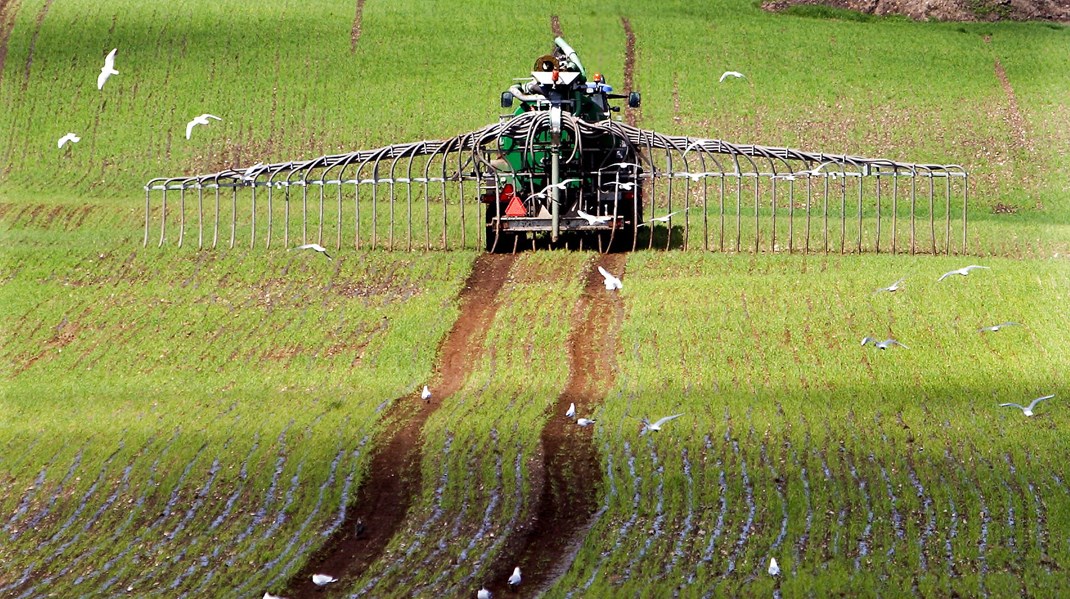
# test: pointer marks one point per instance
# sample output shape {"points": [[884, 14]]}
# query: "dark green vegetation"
{"points": [[189, 423]]}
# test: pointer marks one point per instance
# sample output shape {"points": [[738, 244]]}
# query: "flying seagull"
{"points": [[1027, 410], [199, 120], [584, 422], [514, 580], [728, 74], [694, 176], [965, 270], [664, 219], [483, 594], [774, 569], [612, 282], [70, 137], [625, 165], [657, 425], [270, 596], [249, 172], [882, 344], [108, 70], [996, 327], [323, 579], [314, 246], [571, 413], [592, 219], [425, 394], [628, 186], [546, 190], [891, 288]]}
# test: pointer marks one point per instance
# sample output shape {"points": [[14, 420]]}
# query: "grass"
{"points": [[166, 411]]}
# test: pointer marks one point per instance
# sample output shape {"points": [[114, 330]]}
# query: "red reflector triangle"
{"points": [[516, 208]]}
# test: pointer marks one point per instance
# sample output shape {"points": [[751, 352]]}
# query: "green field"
{"points": [[182, 422]]}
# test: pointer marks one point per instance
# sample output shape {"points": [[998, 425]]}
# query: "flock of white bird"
{"points": [[964, 271], [106, 72]]}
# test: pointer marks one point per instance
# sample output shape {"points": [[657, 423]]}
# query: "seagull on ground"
{"points": [[882, 344], [108, 70], [70, 137], [1027, 410], [647, 426], [664, 219], [612, 282], [483, 594], [571, 413], [323, 579], [594, 220], [891, 288], [514, 580], [996, 327], [199, 120], [774, 569], [316, 247], [728, 74], [965, 270], [425, 394], [584, 422]]}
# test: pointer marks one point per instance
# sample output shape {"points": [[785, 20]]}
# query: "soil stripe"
{"points": [[393, 479], [1014, 116], [569, 498], [8, 10], [33, 42], [555, 26], [631, 117], [354, 33]]}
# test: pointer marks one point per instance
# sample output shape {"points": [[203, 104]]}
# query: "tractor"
{"points": [[559, 180]]}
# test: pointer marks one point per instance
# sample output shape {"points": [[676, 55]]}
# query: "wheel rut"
{"points": [[393, 478], [565, 506]]}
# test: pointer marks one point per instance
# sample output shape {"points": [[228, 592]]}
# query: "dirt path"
{"points": [[393, 479], [631, 117], [1014, 115], [354, 33], [555, 26], [573, 471]]}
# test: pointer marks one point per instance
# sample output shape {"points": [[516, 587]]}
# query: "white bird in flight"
{"points": [[625, 165], [647, 426], [316, 247], [425, 394], [612, 282], [594, 220], [70, 137], [584, 422], [270, 596], [696, 177], [560, 185], [323, 579], [571, 410], [996, 327], [627, 186], [108, 69], [882, 344], [483, 594], [199, 120], [891, 288], [774, 569], [514, 580], [965, 270], [664, 219], [728, 74], [1027, 410]]}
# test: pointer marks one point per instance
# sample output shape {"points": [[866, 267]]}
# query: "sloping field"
{"points": [[176, 422]]}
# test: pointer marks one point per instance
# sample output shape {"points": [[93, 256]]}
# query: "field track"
{"points": [[632, 116], [8, 10], [358, 18], [385, 495], [572, 471]]}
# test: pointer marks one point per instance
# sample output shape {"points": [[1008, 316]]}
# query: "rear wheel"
{"points": [[498, 242]]}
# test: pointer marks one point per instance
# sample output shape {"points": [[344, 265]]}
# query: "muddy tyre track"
{"points": [[354, 32], [555, 26], [8, 11], [631, 117], [569, 497], [393, 479]]}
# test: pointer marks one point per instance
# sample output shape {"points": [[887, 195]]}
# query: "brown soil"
{"points": [[33, 42], [354, 33], [573, 473], [631, 117], [1017, 122], [947, 10], [555, 26], [393, 479], [8, 10]]}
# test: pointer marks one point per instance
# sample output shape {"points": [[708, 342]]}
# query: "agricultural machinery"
{"points": [[561, 166]]}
